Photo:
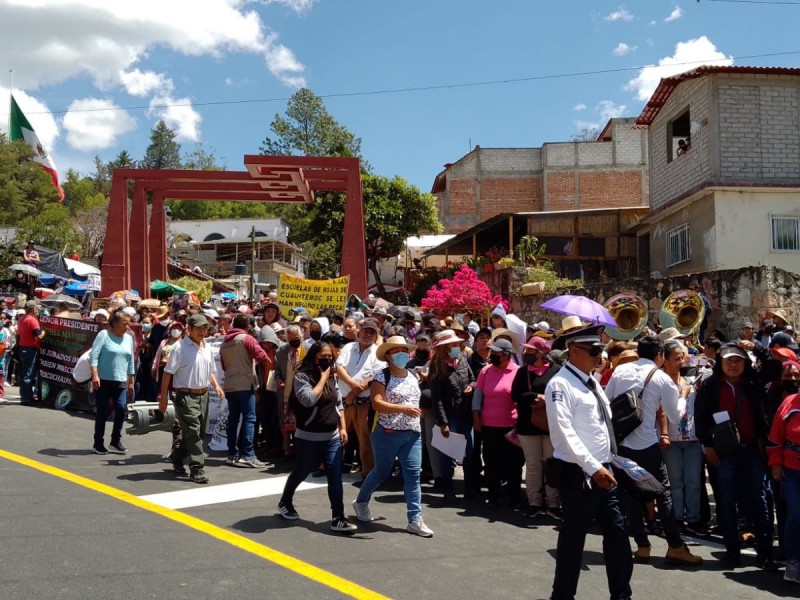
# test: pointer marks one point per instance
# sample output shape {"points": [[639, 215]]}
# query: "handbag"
{"points": [[627, 413], [636, 480], [725, 437], [82, 371], [552, 469]]}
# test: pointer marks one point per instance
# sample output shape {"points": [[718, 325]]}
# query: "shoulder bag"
{"points": [[626, 410]]}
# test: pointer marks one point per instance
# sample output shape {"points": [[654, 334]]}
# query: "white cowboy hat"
{"points": [[512, 335], [448, 336], [567, 323], [396, 341]]}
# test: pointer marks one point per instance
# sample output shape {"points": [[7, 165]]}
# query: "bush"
{"points": [[551, 279]]}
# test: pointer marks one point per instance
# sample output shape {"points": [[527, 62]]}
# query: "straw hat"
{"points": [[396, 341], [568, 324], [150, 303], [623, 357], [162, 312], [448, 336], [460, 331]]}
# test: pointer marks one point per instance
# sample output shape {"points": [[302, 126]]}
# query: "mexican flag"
{"points": [[20, 129]]}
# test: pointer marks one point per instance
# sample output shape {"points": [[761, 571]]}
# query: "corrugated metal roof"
{"points": [[668, 84]]}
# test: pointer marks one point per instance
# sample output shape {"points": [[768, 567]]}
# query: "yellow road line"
{"points": [[295, 565]]}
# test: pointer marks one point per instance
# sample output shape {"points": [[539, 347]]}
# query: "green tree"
{"points": [[309, 129], [80, 191], [123, 160], [163, 152], [102, 176], [24, 186], [201, 160], [586, 134], [51, 227]]}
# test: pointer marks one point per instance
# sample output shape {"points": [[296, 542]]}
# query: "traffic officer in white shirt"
{"points": [[191, 371], [579, 415], [643, 445]]}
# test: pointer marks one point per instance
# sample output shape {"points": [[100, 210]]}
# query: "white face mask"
{"points": [[175, 333]]}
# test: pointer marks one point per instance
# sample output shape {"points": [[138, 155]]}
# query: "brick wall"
{"points": [[510, 195], [758, 130], [609, 188], [561, 190]]}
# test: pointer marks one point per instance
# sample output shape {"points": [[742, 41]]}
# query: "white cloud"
{"points": [[688, 55], [298, 6], [283, 64], [622, 49], [179, 115], [143, 83], [676, 14], [95, 124], [37, 113], [620, 14], [579, 107], [608, 109]]}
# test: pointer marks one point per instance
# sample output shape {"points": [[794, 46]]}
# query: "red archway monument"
{"points": [[135, 249]]}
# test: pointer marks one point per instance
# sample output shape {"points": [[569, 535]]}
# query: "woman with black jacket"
{"points": [[527, 392], [733, 388], [452, 381], [321, 432]]}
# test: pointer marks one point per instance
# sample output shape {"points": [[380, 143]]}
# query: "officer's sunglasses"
{"points": [[593, 351]]}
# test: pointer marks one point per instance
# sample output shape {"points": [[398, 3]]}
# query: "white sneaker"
{"points": [[418, 527], [362, 511], [251, 462]]}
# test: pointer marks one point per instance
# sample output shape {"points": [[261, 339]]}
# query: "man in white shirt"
{"points": [[191, 371], [578, 414], [355, 367], [643, 445]]}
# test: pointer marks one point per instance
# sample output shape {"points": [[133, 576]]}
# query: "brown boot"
{"points": [[682, 556], [642, 554]]}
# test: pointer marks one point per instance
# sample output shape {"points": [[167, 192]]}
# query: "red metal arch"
{"points": [[135, 249]]}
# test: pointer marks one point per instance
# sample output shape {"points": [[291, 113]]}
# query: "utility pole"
{"points": [[253, 264]]}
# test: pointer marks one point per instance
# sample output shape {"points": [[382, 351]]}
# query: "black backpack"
{"points": [[626, 411]]}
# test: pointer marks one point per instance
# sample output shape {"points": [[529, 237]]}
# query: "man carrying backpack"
{"points": [[655, 389]]}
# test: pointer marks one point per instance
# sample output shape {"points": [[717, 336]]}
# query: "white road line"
{"points": [[231, 492]]}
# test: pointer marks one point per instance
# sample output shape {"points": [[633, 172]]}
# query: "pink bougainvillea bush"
{"points": [[463, 292]]}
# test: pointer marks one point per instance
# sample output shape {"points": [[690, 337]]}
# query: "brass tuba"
{"points": [[684, 310], [630, 313]]}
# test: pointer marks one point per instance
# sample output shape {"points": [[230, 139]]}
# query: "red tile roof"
{"points": [[668, 84]]}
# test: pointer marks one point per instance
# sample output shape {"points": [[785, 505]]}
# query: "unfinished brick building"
{"points": [[608, 173]]}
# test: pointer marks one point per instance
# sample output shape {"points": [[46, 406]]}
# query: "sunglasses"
{"points": [[593, 351]]}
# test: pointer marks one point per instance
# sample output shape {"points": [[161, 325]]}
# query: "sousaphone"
{"points": [[684, 310], [630, 313]]}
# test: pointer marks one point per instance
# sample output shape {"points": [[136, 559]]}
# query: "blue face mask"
{"points": [[400, 360], [455, 352]]}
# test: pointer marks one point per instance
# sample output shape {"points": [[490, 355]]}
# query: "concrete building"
{"points": [[217, 229], [608, 173], [724, 162]]}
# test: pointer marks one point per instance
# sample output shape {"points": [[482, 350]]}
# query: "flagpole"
{"points": [[10, 99]]}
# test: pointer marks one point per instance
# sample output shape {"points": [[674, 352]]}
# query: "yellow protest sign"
{"points": [[312, 294]]}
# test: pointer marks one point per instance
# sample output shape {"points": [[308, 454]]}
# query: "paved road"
{"points": [[123, 527]]}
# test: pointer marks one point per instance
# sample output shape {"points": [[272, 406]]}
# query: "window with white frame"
{"points": [[785, 233], [678, 247]]}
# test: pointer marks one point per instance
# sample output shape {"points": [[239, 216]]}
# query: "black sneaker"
{"points": [[99, 449], [287, 511], [768, 564], [342, 525], [117, 448], [199, 476]]}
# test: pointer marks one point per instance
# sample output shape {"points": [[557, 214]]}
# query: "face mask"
{"points": [[495, 359], [324, 364], [315, 335], [422, 355], [295, 343], [146, 327], [454, 352], [175, 333], [400, 360], [529, 359], [791, 386]]}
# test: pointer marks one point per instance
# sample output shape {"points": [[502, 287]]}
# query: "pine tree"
{"points": [[163, 152]]}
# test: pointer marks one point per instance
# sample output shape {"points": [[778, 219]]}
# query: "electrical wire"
{"points": [[782, 2], [428, 88]]}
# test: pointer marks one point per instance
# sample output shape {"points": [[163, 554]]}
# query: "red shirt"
{"points": [[746, 421], [25, 329], [785, 428]]}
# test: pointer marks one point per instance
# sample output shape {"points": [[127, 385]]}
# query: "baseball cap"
{"points": [[197, 321], [31, 304], [784, 339], [370, 323], [502, 345], [729, 350]]}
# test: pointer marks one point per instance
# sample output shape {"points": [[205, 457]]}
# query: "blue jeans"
{"points": [[27, 365], [241, 404], [791, 493], [740, 477], [407, 447], [581, 504], [110, 392], [459, 423], [684, 462], [308, 458]]}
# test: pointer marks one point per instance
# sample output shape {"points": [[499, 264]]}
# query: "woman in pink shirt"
{"points": [[494, 415]]}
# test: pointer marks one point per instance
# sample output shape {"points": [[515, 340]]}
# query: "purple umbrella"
{"points": [[581, 306]]}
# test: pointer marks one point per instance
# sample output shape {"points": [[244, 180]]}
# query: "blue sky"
{"points": [[69, 55]]}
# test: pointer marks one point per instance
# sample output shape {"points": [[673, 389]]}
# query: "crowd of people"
{"points": [[365, 391]]}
